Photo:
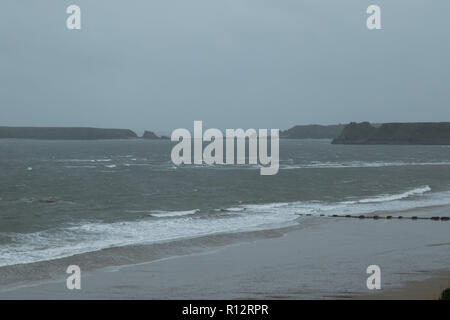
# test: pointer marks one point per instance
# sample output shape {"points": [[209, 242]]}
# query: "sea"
{"points": [[114, 202]]}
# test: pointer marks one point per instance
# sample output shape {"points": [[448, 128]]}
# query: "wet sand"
{"points": [[428, 289], [326, 259]]}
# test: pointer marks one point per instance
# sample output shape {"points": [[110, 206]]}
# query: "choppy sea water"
{"points": [[62, 198]]}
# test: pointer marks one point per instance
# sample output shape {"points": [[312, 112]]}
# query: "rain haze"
{"points": [[349, 211], [160, 65]]}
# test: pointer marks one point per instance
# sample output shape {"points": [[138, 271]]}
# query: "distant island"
{"points": [[312, 131], [55, 133], [433, 133], [427, 133], [152, 136], [75, 133], [149, 135]]}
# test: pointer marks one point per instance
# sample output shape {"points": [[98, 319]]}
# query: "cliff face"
{"points": [[313, 131], [55, 133], [395, 133]]}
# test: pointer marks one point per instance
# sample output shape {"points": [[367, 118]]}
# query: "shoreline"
{"points": [[427, 289], [326, 259], [116, 258]]}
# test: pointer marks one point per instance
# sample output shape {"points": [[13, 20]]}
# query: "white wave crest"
{"points": [[165, 214], [360, 164], [392, 197], [88, 236]]}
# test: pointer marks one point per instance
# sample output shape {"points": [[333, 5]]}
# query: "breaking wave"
{"points": [[160, 226]]}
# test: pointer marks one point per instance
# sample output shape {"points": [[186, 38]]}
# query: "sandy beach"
{"points": [[427, 289], [322, 258]]}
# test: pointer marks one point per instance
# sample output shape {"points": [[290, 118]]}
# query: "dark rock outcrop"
{"points": [[434, 133], [55, 133], [150, 135], [312, 131]]}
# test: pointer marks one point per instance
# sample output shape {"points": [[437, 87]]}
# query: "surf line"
{"points": [[378, 217]]}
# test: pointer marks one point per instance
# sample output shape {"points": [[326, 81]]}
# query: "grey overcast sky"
{"points": [[160, 64]]}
